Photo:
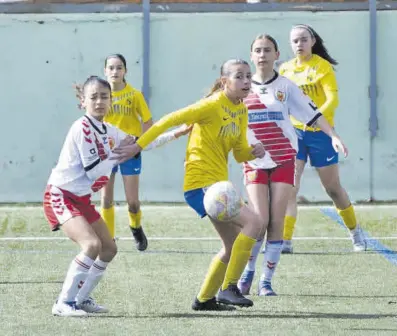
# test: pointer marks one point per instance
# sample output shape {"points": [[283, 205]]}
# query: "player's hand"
{"points": [[339, 146], [128, 140], [125, 152], [183, 130], [258, 150]]}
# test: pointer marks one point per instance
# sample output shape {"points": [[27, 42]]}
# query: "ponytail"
{"points": [[78, 88], [320, 49], [215, 88]]}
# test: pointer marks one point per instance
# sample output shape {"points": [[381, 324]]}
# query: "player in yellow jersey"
{"points": [[312, 70], [131, 114], [220, 126]]}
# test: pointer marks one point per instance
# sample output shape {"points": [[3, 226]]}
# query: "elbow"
{"points": [[241, 158], [333, 101], [237, 158]]}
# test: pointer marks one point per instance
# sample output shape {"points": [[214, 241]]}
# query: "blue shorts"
{"points": [[318, 147], [131, 167], [195, 199]]}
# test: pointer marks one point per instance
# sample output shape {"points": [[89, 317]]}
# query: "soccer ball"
{"points": [[222, 201]]}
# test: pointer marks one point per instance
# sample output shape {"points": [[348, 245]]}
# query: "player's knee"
{"points": [[109, 251], [106, 202], [294, 193], [92, 247], [264, 223], [258, 225], [133, 206], [224, 254], [275, 229], [333, 191]]}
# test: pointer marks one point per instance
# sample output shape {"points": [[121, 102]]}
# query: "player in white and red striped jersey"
{"points": [[269, 181], [84, 167]]}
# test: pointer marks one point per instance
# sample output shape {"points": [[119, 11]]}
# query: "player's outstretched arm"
{"points": [[196, 113], [164, 138]]}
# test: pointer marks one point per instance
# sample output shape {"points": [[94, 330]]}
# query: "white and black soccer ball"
{"points": [[222, 201]]}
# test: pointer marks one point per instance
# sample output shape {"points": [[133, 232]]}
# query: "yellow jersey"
{"points": [[129, 108], [316, 78], [219, 127]]}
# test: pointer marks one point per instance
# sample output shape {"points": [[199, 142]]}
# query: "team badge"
{"points": [[280, 96], [111, 142]]}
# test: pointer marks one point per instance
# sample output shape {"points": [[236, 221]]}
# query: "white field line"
{"points": [[181, 206], [176, 238]]}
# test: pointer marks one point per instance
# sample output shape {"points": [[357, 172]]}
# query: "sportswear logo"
{"points": [[330, 158], [226, 118], [136, 169]]}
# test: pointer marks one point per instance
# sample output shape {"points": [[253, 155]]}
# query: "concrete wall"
{"points": [[44, 54]]}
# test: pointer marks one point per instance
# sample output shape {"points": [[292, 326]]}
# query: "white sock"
{"points": [[75, 277], [94, 276], [271, 259], [254, 255]]}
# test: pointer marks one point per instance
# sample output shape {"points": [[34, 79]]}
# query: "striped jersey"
{"points": [[270, 105]]}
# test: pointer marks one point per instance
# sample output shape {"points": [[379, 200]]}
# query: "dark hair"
{"points": [[120, 57], [266, 37], [318, 47], [80, 88], [225, 71]]}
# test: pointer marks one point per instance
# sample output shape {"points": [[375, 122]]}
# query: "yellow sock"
{"points": [[289, 226], [213, 280], [108, 217], [241, 252], [349, 217], [135, 219]]}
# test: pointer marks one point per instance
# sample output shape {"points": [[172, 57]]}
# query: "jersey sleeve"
{"points": [[242, 150], [301, 106], [330, 87], [92, 153], [196, 113], [161, 140], [143, 109]]}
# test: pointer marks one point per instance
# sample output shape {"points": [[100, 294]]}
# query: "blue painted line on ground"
{"points": [[372, 244]]}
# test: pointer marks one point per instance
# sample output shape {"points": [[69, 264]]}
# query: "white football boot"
{"points": [[67, 309], [357, 237]]}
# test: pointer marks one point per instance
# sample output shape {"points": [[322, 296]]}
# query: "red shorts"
{"points": [[284, 173], [61, 205]]}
